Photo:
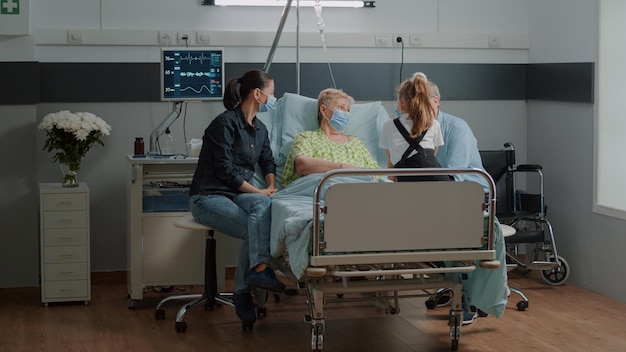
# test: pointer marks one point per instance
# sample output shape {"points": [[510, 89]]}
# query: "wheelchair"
{"points": [[532, 247]]}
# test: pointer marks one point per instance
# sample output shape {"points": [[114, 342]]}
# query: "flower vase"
{"points": [[70, 174]]}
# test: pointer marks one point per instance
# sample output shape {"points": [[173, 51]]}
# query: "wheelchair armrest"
{"points": [[527, 167]]}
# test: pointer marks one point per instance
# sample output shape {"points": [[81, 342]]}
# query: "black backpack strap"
{"points": [[414, 144]]}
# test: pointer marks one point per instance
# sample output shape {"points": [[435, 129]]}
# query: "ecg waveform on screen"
{"points": [[189, 58], [192, 74]]}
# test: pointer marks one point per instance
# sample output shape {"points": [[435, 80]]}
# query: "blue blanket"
{"points": [[292, 219]]}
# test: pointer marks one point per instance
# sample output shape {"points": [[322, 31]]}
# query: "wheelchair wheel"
{"points": [[557, 275]]}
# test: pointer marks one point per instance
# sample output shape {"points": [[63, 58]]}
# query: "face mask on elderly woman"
{"points": [[339, 120]]}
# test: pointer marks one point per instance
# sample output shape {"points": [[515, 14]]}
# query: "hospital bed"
{"points": [[352, 235]]}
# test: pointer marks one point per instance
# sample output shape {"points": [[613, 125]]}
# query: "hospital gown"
{"points": [[316, 144]]}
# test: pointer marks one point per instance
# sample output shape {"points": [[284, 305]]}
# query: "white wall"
{"points": [[561, 138], [452, 31]]}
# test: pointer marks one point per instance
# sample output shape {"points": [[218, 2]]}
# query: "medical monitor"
{"points": [[192, 74]]}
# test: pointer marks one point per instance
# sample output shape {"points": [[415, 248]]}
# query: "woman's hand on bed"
{"points": [[269, 191]]}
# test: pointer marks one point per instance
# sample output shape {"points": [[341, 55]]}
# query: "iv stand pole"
{"points": [[279, 31]]}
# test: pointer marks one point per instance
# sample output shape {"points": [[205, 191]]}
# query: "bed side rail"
{"points": [[406, 221]]}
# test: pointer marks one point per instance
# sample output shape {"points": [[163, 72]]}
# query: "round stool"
{"points": [[210, 295], [507, 231], [188, 222]]}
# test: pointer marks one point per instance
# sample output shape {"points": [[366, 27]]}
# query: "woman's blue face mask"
{"points": [[271, 100], [339, 120]]}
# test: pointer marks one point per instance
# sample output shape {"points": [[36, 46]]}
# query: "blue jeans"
{"points": [[246, 217]]}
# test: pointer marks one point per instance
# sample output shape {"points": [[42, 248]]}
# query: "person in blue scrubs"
{"points": [[460, 148], [486, 289]]}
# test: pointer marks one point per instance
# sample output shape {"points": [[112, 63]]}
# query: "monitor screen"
{"points": [[192, 74]]}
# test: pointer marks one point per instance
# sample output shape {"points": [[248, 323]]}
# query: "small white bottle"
{"points": [[167, 145]]}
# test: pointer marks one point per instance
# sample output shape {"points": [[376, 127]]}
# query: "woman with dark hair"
{"points": [[221, 195]]}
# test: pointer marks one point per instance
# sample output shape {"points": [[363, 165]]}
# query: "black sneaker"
{"points": [[444, 297], [265, 279], [244, 307]]}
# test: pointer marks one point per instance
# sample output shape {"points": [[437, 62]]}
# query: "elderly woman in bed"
{"points": [[327, 148]]}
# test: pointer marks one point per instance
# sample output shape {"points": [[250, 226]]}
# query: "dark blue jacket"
{"points": [[231, 148]]}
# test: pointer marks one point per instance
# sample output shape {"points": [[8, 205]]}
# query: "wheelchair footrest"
{"points": [[525, 237], [544, 265]]}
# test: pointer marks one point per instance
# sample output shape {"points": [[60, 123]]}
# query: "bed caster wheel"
{"points": [[522, 305], [247, 326], [392, 310], [131, 304], [159, 314], [340, 295], [261, 312], [455, 345], [431, 303], [180, 326]]}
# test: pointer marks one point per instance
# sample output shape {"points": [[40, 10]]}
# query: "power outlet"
{"points": [[74, 37], [165, 38], [203, 38], [415, 40], [184, 38], [399, 39], [381, 40], [493, 41]]}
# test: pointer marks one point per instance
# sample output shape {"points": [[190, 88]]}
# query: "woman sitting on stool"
{"points": [[221, 196]]}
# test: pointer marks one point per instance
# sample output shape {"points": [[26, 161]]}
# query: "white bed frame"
{"points": [[389, 234]]}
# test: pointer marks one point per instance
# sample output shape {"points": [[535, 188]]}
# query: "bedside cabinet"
{"points": [[64, 243]]}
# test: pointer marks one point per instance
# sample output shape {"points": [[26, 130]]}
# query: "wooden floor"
{"points": [[560, 318]]}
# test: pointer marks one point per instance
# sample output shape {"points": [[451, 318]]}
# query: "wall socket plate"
{"points": [[184, 38], [381, 40], [166, 38], [415, 40], [493, 41], [395, 42], [74, 37], [203, 38]]}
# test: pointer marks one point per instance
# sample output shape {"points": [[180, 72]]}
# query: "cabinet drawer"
{"points": [[69, 254], [64, 219], [59, 202], [69, 271], [66, 289], [64, 237]]}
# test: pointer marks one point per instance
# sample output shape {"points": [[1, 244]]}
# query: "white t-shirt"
{"points": [[391, 139]]}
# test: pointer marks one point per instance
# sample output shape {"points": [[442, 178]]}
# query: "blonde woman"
{"points": [[411, 140]]}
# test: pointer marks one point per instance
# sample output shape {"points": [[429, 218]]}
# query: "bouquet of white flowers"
{"points": [[72, 135]]}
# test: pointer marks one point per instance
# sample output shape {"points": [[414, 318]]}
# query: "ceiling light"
{"points": [[302, 3]]}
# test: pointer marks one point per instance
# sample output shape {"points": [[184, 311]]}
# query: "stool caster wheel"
{"points": [[261, 312], [247, 326], [159, 314], [290, 292], [522, 305], [180, 326]]}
